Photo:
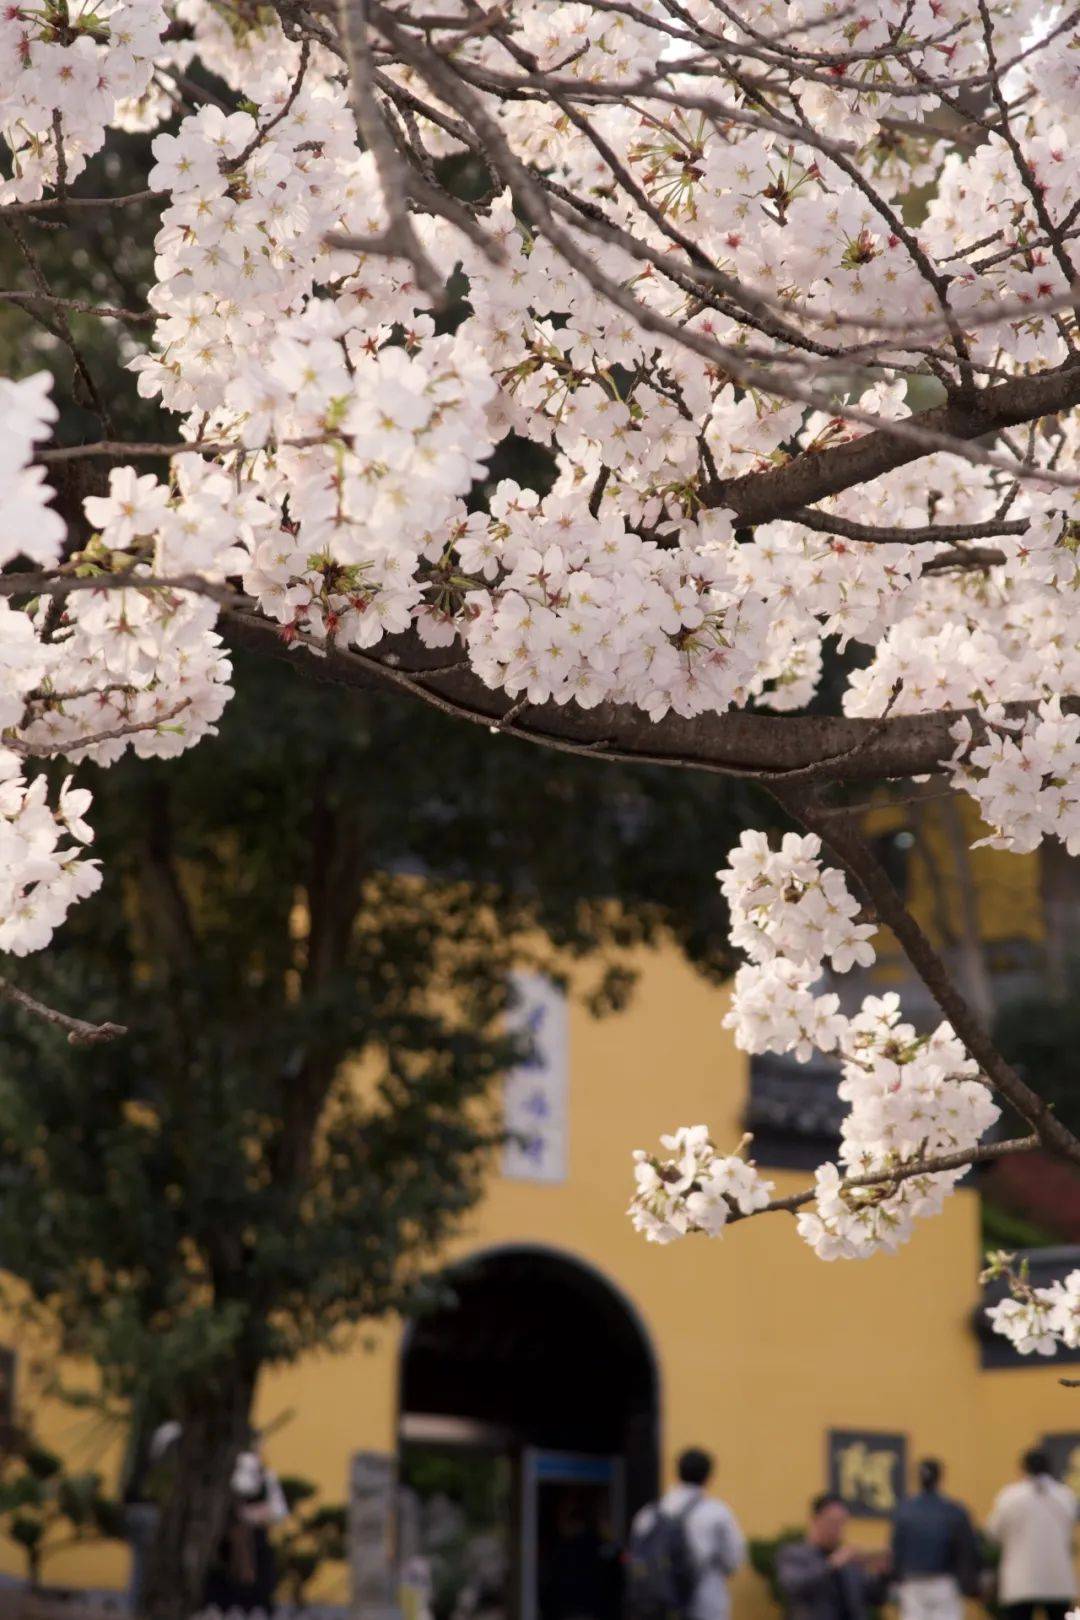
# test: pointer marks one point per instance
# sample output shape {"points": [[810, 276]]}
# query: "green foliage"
{"points": [[473, 1492], [338, 885], [44, 1508], [1002, 1229], [313, 1534]]}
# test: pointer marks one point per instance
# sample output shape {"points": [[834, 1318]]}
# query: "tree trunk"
{"points": [[214, 1427]]}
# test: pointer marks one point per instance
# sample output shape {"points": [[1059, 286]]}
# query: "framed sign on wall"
{"points": [[867, 1470]]}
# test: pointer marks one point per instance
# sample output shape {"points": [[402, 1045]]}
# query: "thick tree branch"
{"points": [[780, 491], [59, 586], [739, 742]]}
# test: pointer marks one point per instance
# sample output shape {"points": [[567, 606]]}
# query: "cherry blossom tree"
{"points": [[786, 294]]}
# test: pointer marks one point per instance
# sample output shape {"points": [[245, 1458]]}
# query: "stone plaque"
{"points": [[372, 1484]]}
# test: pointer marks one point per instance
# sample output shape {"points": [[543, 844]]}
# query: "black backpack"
{"points": [[661, 1575]]}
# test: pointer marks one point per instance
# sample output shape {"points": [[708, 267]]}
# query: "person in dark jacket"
{"points": [[935, 1551], [823, 1579]]}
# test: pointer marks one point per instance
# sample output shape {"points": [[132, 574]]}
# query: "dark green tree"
{"points": [[308, 925], [44, 1509]]}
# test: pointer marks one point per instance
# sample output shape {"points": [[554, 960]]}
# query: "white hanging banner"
{"points": [[535, 1093]]}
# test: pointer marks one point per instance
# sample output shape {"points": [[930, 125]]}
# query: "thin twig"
{"points": [[76, 745], [52, 205], [905, 1172], [133, 317], [78, 1031], [264, 130]]}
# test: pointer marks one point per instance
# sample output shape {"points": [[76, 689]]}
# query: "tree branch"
{"points": [[79, 1032], [852, 850], [74, 745], [888, 1179], [898, 534], [739, 742], [778, 492]]}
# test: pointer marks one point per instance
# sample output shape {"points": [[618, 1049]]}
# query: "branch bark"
{"points": [[851, 849], [779, 492], [740, 742], [888, 1179], [79, 1032]]}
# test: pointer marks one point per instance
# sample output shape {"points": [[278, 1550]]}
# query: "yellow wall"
{"points": [[761, 1347]]}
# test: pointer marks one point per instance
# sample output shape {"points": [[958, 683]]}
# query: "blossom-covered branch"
{"points": [[1036, 1321], [698, 1190], [785, 305]]}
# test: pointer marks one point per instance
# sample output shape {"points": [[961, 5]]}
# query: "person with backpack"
{"points": [[683, 1549], [935, 1551]]}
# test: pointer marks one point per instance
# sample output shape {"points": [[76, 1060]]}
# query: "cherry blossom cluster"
{"points": [[43, 870], [785, 903], [913, 1098], [695, 1189], [29, 527], [572, 601], [621, 584], [69, 70], [1036, 1321], [1025, 777], [42, 864]]}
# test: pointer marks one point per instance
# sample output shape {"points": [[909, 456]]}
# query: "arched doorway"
{"points": [[529, 1418]]}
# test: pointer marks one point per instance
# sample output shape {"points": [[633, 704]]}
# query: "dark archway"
{"points": [[541, 1346], [538, 1363]]}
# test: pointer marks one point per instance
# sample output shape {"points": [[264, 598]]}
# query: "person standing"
{"points": [[683, 1549], [1033, 1521], [243, 1576], [821, 1578], [935, 1552]]}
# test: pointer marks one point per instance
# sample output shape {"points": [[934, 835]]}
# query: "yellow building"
{"points": [[573, 1336], [580, 1358]]}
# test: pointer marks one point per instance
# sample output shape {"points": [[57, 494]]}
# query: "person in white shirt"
{"points": [[1033, 1521], [713, 1537]]}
